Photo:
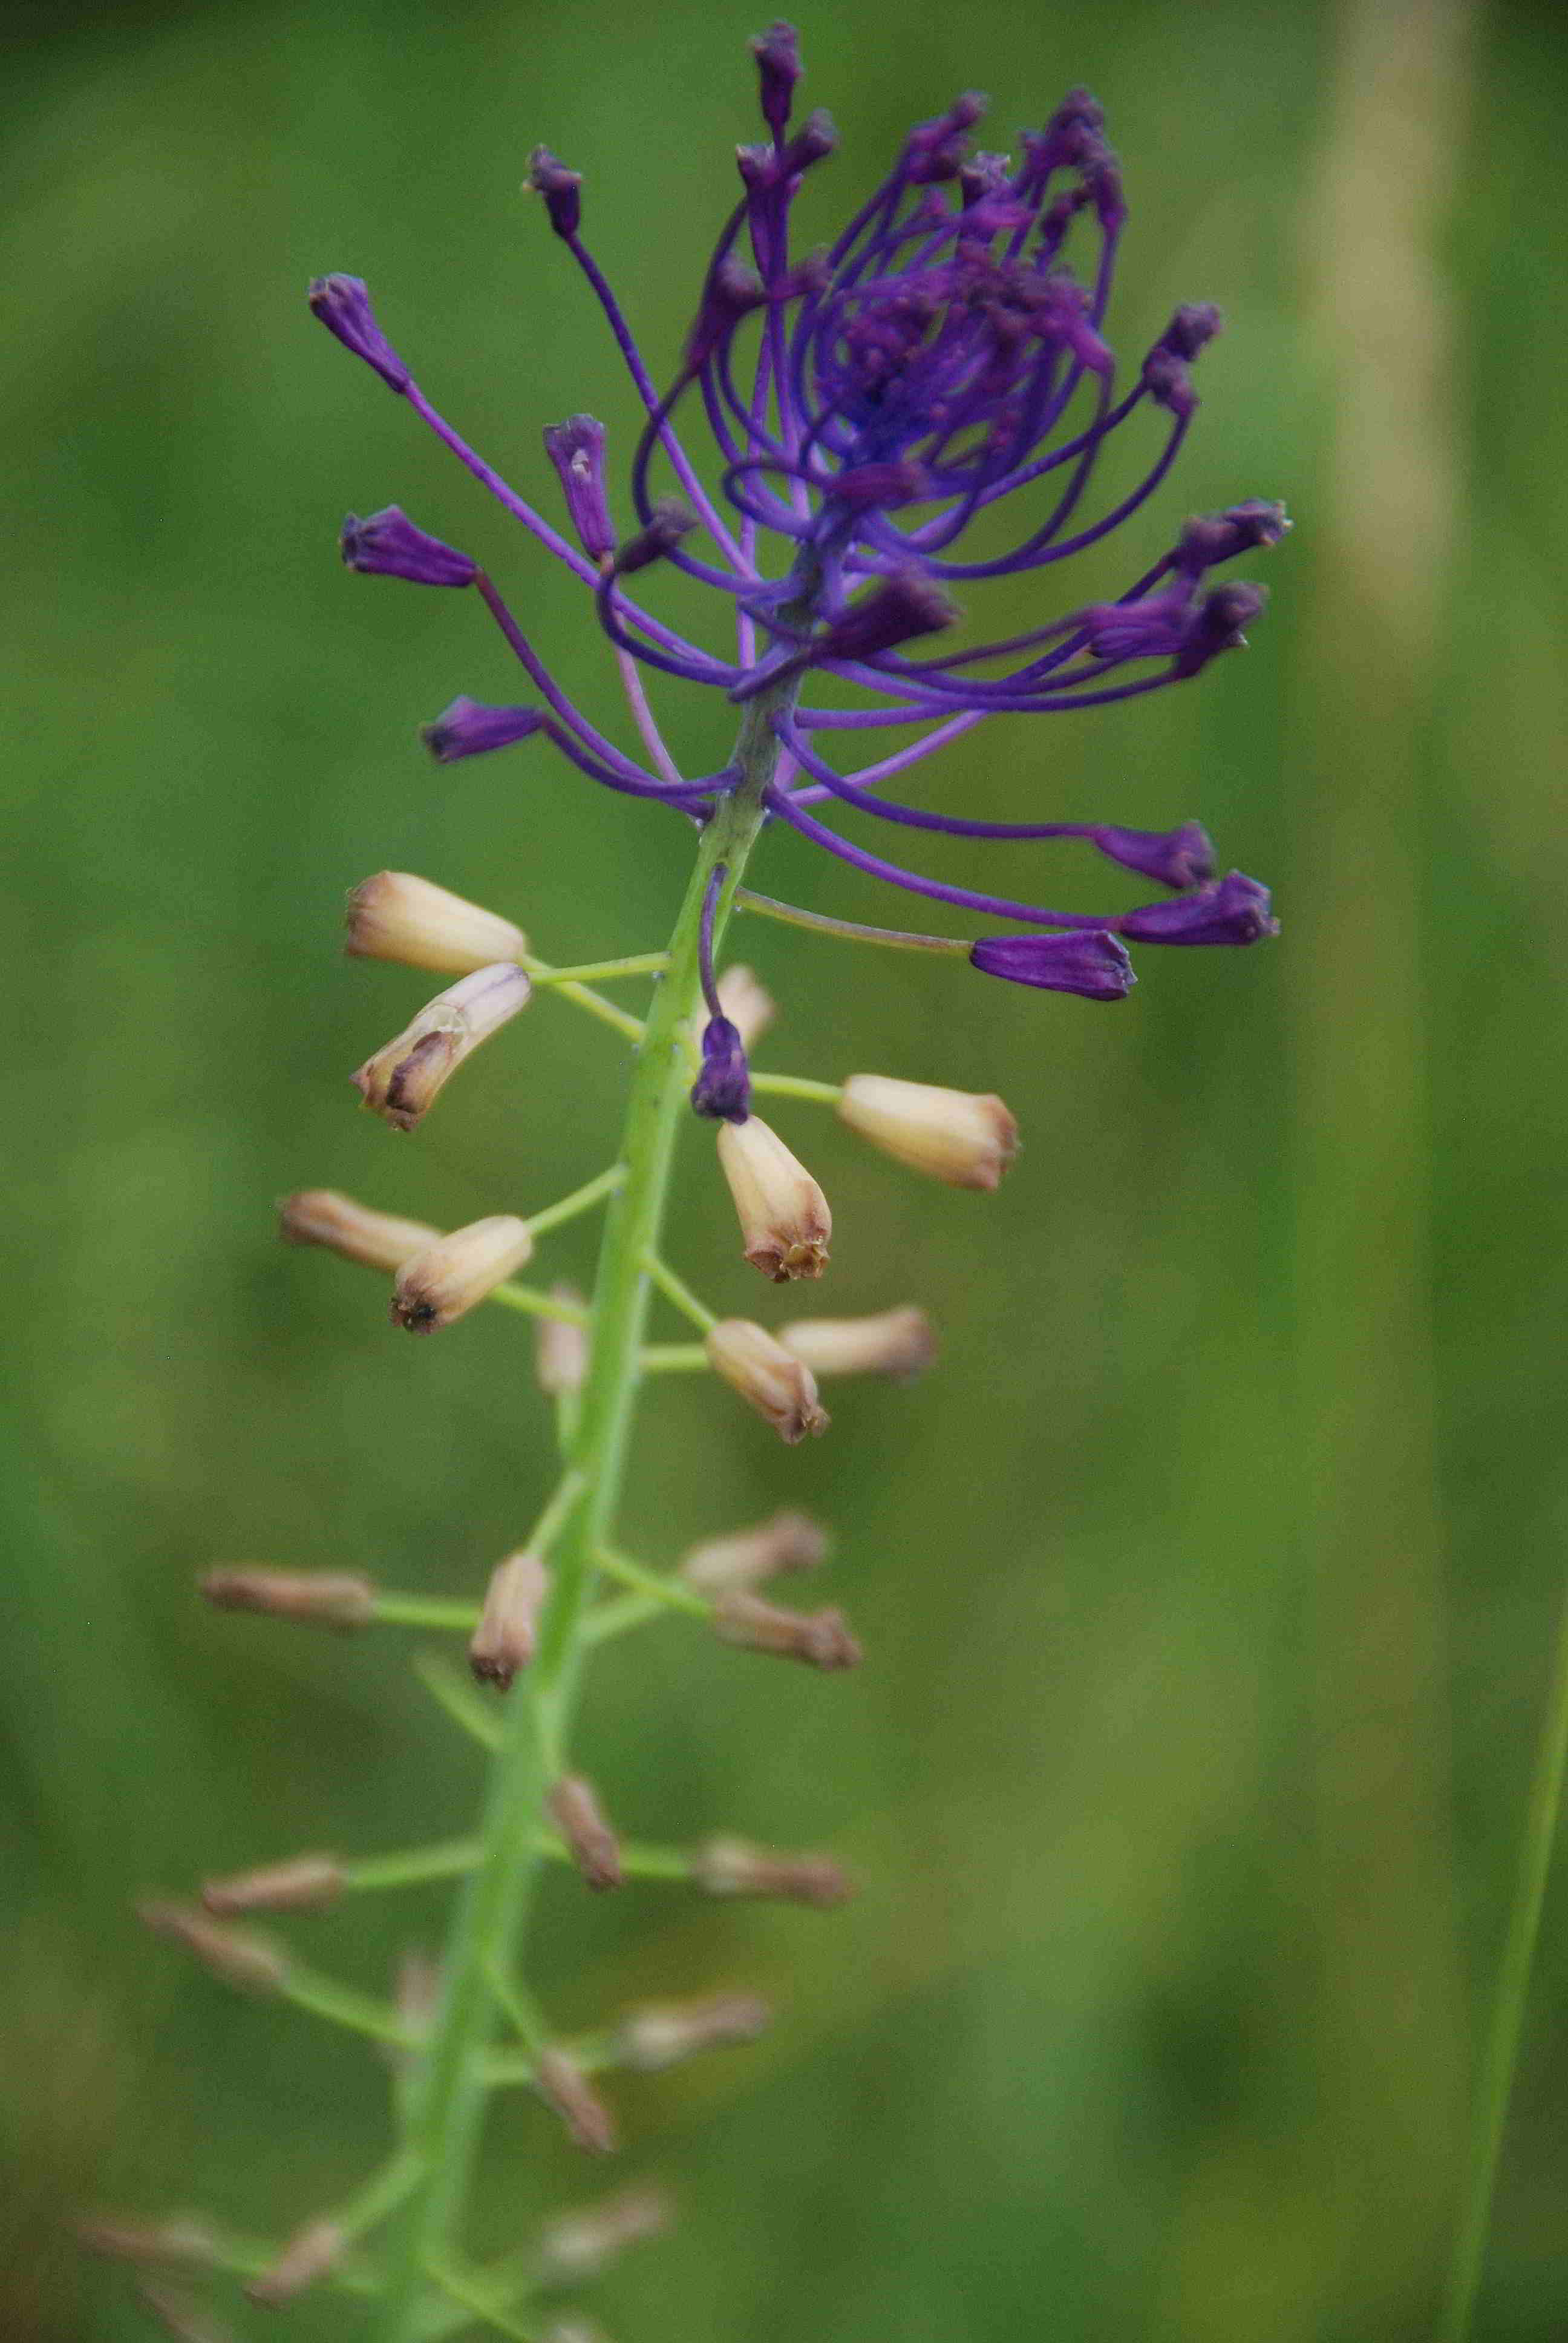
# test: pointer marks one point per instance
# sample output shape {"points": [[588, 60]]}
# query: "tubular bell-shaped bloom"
{"points": [[948, 352]]}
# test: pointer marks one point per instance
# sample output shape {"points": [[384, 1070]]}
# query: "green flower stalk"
{"points": [[942, 355]]}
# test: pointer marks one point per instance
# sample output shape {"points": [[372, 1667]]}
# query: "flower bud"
{"points": [[750, 1557], [560, 1349], [577, 2246], [1232, 910], [562, 2085], [396, 916], [402, 1082], [445, 1280], [1177, 858], [315, 1598], [343, 306], [906, 605], [966, 1139], [778, 55], [470, 728], [182, 2238], [254, 1962], [577, 1813], [1090, 962], [560, 187], [576, 448], [389, 545], [319, 1216], [767, 1377], [785, 1223], [730, 1866], [897, 1342], [306, 2256], [660, 2034], [821, 1639], [1219, 624], [415, 1994], [722, 1091], [504, 1640], [746, 1003], [669, 524], [302, 1885]]}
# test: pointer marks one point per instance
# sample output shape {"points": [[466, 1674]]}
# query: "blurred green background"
{"points": [[1208, 1584]]}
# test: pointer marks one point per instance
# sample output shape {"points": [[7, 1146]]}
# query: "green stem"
{"points": [[642, 1581], [447, 2100], [800, 1086], [1501, 2053], [605, 970], [676, 1289], [581, 1200], [583, 996], [539, 1305], [850, 930], [675, 1359]]}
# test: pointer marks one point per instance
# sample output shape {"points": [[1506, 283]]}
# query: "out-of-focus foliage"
{"points": [[1206, 1584]]}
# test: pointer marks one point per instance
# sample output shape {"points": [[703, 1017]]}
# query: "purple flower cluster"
{"points": [[864, 405]]}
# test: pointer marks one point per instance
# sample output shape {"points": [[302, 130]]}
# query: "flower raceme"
{"points": [[943, 361]]}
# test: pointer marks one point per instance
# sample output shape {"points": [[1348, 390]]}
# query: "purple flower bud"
{"points": [[938, 149], [1232, 910], [1209, 539], [389, 545], [1151, 628], [1177, 858], [1090, 963], [817, 138], [731, 293], [468, 728], [722, 1091], [903, 607], [1217, 625], [576, 448], [671, 523], [1169, 382], [777, 57], [560, 187], [1192, 329], [343, 306], [879, 486]]}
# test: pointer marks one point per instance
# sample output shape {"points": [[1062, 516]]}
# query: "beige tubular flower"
{"points": [[820, 1639], [306, 2258], [504, 1640], [401, 1081], [657, 2035], [748, 1005], [560, 1349], [396, 916], [749, 1558], [785, 1222], [253, 1963], [733, 1866], [303, 1884], [573, 1806], [966, 1139], [897, 1342], [779, 1387], [314, 1598], [445, 1280], [319, 1216]]}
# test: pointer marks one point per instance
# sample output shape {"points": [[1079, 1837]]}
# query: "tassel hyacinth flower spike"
{"points": [[838, 421]]}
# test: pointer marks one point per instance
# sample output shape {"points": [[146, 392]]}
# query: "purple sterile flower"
{"points": [[576, 448], [389, 545], [467, 729], [1093, 965], [722, 1091], [1233, 910], [946, 359]]}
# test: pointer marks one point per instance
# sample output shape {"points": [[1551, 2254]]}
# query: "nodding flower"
{"points": [[946, 360]]}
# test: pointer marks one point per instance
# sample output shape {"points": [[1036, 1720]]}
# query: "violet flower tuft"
{"points": [[389, 545], [1232, 910], [1093, 964], [468, 728], [343, 306]]}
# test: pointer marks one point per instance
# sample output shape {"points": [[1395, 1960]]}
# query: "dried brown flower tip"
{"points": [[747, 1002], [402, 1080], [319, 1216], [578, 2246], [452, 1276], [577, 1813], [820, 1638], [301, 1885], [503, 1641], [785, 1223], [897, 1342], [730, 1866], [560, 1349], [254, 1962], [316, 1598], [659, 2034], [768, 1377], [182, 2238], [749, 1558], [563, 2085], [306, 2256], [396, 916], [959, 1136], [179, 2317]]}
